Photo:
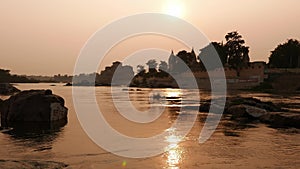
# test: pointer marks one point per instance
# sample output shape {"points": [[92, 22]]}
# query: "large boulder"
{"points": [[33, 106], [7, 89]]}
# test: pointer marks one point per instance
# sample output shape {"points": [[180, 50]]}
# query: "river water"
{"points": [[231, 146]]}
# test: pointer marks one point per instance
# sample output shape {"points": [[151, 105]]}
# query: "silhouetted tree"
{"points": [[5, 75], [4, 72], [221, 50], [152, 65], [238, 53], [163, 66], [141, 69], [286, 55], [208, 51], [189, 58], [183, 61]]}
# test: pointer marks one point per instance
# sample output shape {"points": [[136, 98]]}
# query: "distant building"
{"points": [[183, 61], [172, 62]]}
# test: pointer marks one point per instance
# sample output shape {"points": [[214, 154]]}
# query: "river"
{"points": [[230, 146]]}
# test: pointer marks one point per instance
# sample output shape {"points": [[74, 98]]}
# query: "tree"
{"points": [[4, 75], [286, 55], [238, 53], [152, 65], [221, 50], [208, 51], [163, 66], [163, 69], [189, 58], [141, 69]]}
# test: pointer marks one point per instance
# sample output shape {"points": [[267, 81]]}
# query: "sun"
{"points": [[174, 8]]}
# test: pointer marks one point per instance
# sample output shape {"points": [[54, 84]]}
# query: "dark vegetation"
{"points": [[6, 77], [233, 54], [286, 55]]}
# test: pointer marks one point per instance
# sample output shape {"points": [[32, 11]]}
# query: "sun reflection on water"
{"points": [[173, 152], [173, 93]]}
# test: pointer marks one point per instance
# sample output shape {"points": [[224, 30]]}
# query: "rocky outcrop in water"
{"points": [[281, 119], [7, 89], [275, 119], [268, 106], [245, 111], [251, 109], [33, 106]]}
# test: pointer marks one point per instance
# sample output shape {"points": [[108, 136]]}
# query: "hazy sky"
{"points": [[45, 37]]}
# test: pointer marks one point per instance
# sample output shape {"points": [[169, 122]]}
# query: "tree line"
{"points": [[233, 53], [6, 77]]}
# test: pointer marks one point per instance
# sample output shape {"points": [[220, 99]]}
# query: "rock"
{"points": [[245, 111], [275, 119], [281, 119], [33, 106], [18, 164], [269, 106], [248, 109], [1, 107], [7, 89], [255, 111], [68, 84], [232, 101], [204, 107], [1, 104]]}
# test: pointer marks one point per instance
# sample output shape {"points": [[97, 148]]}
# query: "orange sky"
{"points": [[45, 37]]}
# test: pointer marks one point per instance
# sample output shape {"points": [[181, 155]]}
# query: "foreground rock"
{"points": [[33, 106], [24, 164], [7, 89]]}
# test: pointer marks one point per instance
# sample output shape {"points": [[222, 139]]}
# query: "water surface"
{"points": [[231, 146]]}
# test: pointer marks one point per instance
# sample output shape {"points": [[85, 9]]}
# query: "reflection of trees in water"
{"points": [[173, 113], [39, 136]]}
